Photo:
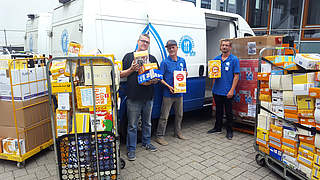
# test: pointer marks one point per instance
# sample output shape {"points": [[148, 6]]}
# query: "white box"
{"points": [[10, 146], [277, 93], [266, 68], [289, 98], [275, 82], [307, 61], [264, 121], [277, 101], [290, 161], [302, 89], [286, 82], [305, 169], [278, 110]]}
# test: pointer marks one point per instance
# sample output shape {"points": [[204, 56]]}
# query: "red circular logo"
{"points": [[180, 77]]}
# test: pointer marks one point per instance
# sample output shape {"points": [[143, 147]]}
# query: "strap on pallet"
{"points": [[313, 130]]}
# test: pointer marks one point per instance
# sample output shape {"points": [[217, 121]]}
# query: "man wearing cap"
{"points": [[224, 88], [168, 66], [139, 100]]}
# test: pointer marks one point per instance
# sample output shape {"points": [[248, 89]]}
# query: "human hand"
{"points": [[230, 94], [134, 66], [171, 89]]}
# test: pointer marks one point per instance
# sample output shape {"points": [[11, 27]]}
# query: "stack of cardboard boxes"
{"points": [[293, 101], [26, 82]]}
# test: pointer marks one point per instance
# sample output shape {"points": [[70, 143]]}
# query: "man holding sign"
{"points": [[224, 87], [174, 72]]}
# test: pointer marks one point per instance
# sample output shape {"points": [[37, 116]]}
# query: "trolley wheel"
{"points": [[122, 163], [21, 164], [260, 160]]}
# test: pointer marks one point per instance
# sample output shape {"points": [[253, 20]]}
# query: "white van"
{"points": [[113, 26], [38, 32]]}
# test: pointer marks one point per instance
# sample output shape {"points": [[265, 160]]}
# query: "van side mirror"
{"points": [[201, 70]]}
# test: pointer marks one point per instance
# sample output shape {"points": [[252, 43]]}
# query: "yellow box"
{"points": [[306, 153], [263, 76], [147, 67], [276, 129], [61, 87], [262, 142], [305, 161], [289, 151], [84, 96], [309, 147], [316, 171], [264, 97], [302, 113], [82, 121], [305, 102], [74, 49], [263, 134], [214, 68], [303, 78], [264, 149], [316, 159]]}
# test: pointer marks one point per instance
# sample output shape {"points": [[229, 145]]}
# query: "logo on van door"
{"points": [[64, 41], [186, 44]]}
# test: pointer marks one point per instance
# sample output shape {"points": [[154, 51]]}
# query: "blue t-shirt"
{"points": [[167, 67], [229, 67]]}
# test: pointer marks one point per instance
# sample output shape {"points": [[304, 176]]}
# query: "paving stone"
{"points": [[28, 177], [158, 176], [185, 177], [227, 176], [41, 172], [173, 165], [262, 171], [212, 177], [158, 169], [209, 162], [7, 175], [197, 166], [185, 169], [210, 170], [251, 175], [197, 174], [222, 166], [236, 171], [171, 173], [19, 172]]}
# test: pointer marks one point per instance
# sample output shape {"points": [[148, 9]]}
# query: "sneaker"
{"points": [[214, 130], [229, 135], [180, 136], [161, 141], [150, 147], [131, 155]]}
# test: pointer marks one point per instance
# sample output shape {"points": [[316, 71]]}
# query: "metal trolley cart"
{"points": [[85, 155], [24, 108], [263, 158]]}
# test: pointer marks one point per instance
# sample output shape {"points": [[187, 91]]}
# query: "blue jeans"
{"points": [[134, 110]]}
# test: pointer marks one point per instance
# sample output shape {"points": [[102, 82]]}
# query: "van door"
{"points": [[217, 27]]}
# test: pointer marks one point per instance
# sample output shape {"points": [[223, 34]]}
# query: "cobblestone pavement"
{"points": [[203, 156]]}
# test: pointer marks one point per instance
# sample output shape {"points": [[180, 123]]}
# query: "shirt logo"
{"points": [[186, 44], [64, 41]]}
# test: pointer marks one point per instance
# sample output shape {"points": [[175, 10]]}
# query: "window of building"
{"points": [[237, 6], [258, 13], [313, 17], [286, 14], [206, 4]]}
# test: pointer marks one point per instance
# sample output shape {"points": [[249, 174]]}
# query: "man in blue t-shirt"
{"points": [[168, 66], [224, 88]]}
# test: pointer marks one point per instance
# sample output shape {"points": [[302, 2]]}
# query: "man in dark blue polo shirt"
{"points": [[168, 66], [224, 88]]}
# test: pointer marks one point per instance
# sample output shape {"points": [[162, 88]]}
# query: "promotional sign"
{"points": [[179, 81]]}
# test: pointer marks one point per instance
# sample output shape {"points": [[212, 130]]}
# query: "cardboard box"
{"points": [[180, 81], [289, 98], [263, 76], [317, 103], [316, 159], [315, 171], [250, 47], [277, 94], [308, 61], [85, 96], [308, 122], [307, 139], [279, 110], [306, 170], [314, 92], [62, 122], [286, 82], [309, 147], [276, 153], [33, 136], [303, 78], [275, 82], [264, 97], [305, 153], [290, 109], [290, 161], [264, 84], [82, 121], [263, 134], [214, 68], [293, 144], [306, 114], [10, 146], [276, 129], [264, 122], [264, 149], [149, 77], [102, 62], [291, 117], [147, 67], [102, 75], [289, 151], [265, 91], [305, 103], [302, 89], [277, 101], [262, 142], [305, 161], [289, 133], [266, 68], [26, 114]]}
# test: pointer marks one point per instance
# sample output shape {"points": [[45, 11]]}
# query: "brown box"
{"points": [[250, 47], [33, 136], [27, 116]]}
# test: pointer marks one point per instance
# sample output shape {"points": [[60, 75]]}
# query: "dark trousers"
{"points": [[223, 104]]}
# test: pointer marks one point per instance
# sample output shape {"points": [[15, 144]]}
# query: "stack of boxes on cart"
{"points": [[23, 96], [290, 112]]}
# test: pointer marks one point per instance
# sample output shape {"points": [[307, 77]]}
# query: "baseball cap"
{"points": [[171, 43]]}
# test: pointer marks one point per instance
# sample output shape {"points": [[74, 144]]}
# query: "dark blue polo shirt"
{"points": [[228, 68], [167, 67]]}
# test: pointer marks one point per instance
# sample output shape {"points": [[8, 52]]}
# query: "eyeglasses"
{"points": [[144, 41]]}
